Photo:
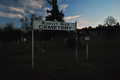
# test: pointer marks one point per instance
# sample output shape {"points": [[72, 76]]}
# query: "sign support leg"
{"points": [[87, 51], [32, 49], [76, 38]]}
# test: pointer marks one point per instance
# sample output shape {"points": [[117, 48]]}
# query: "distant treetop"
{"points": [[110, 21]]}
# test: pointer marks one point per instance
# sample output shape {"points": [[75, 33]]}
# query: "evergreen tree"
{"points": [[54, 14]]}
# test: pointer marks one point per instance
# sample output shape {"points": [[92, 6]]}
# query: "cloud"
{"points": [[59, 1], [32, 12], [20, 7], [71, 17], [2, 7], [25, 4], [81, 21], [17, 10], [46, 8], [10, 15], [99, 22], [63, 6], [32, 4], [12, 9], [94, 24]]}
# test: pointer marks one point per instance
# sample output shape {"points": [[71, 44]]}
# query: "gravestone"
{"points": [[38, 46], [55, 38], [81, 40], [46, 46], [0, 44], [26, 46], [24, 39], [64, 40], [52, 38]]}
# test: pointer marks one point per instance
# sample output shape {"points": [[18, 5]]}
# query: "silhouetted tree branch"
{"points": [[110, 21], [25, 23]]}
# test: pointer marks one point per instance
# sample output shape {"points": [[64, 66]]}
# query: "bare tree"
{"points": [[110, 21], [32, 17], [27, 22]]}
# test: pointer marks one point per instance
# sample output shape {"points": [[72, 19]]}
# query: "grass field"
{"points": [[59, 62]]}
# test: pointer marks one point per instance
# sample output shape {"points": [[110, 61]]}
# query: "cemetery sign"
{"points": [[53, 25]]}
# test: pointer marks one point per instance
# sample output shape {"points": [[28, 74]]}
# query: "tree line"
{"points": [[10, 34], [110, 28]]}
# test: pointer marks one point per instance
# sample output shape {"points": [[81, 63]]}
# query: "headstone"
{"points": [[0, 44], [55, 38], [81, 40], [41, 50], [38, 47], [52, 38], [46, 46], [64, 40], [24, 39], [28, 41]]}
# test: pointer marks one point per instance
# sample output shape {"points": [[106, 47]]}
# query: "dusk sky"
{"points": [[85, 12]]}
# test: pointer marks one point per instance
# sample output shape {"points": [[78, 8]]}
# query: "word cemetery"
{"points": [[53, 25]]}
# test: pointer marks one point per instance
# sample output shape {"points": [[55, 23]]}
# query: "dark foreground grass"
{"points": [[58, 62]]}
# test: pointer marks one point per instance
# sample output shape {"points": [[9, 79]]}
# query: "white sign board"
{"points": [[53, 25], [87, 38]]}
